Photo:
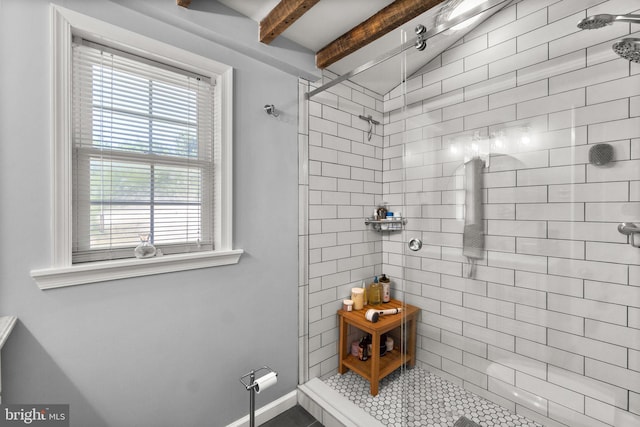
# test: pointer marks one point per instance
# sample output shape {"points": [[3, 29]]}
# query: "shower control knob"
{"points": [[415, 244]]}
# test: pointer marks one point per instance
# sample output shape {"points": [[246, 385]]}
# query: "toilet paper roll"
{"points": [[266, 381]]}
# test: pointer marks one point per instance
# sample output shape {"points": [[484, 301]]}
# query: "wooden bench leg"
{"points": [[343, 345], [412, 342], [375, 363]]}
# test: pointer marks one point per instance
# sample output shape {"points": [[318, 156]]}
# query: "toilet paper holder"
{"points": [[253, 386]]}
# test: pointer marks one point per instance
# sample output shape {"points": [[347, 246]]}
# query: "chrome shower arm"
{"points": [[627, 18], [371, 122]]}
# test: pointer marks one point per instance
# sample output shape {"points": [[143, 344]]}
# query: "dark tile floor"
{"points": [[294, 417]]}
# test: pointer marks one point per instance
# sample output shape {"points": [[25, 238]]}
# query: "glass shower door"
{"points": [[520, 178]]}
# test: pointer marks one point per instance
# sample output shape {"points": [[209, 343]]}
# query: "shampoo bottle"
{"points": [[386, 288]]}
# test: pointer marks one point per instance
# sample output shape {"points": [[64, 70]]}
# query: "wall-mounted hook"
{"points": [[270, 109]]}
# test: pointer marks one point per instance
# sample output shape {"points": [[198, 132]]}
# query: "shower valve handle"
{"points": [[415, 244]]}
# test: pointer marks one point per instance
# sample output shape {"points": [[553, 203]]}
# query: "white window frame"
{"points": [[64, 24]]}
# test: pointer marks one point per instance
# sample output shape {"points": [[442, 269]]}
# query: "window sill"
{"points": [[81, 274]]}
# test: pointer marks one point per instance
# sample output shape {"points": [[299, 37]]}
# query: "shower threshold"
{"points": [[416, 398]]}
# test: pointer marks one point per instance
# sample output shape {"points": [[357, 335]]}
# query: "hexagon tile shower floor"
{"points": [[419, 398]]}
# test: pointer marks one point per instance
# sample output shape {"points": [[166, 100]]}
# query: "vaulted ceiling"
{"points": [[348, 33]]}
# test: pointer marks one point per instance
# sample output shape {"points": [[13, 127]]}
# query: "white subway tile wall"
{"points": [[344, 182], [549, 325]]}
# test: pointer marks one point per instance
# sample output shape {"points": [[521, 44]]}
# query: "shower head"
{"points": [[599, 21], [596, 21], [629, 49]]}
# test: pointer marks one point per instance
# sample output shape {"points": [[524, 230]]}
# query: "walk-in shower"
{"points": [[627, 48], [547, 329]]}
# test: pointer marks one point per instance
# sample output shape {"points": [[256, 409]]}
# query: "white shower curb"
{"points": [[331, 408]]}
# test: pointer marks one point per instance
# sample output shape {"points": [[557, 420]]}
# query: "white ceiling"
{"points": [[329, 19], [322, 24]]}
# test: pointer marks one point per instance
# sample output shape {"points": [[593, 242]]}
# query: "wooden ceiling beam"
{"points": [[183, 3], [387, 19], [282, 16]]}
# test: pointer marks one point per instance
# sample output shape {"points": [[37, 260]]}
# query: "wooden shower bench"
{"points": [[376, 367]]}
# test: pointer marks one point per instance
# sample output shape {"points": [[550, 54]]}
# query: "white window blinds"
{"points": [[142, 155]]}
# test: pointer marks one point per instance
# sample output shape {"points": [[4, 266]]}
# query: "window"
{"points": [[142, 155], [141, 147]]}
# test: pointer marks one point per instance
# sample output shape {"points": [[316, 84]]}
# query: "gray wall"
{"points": [[163, 350]]}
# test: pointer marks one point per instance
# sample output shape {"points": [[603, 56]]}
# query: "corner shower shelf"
{"points": [[393, 224]]}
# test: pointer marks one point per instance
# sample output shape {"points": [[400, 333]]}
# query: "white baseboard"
{"points": [[270, 410]]}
